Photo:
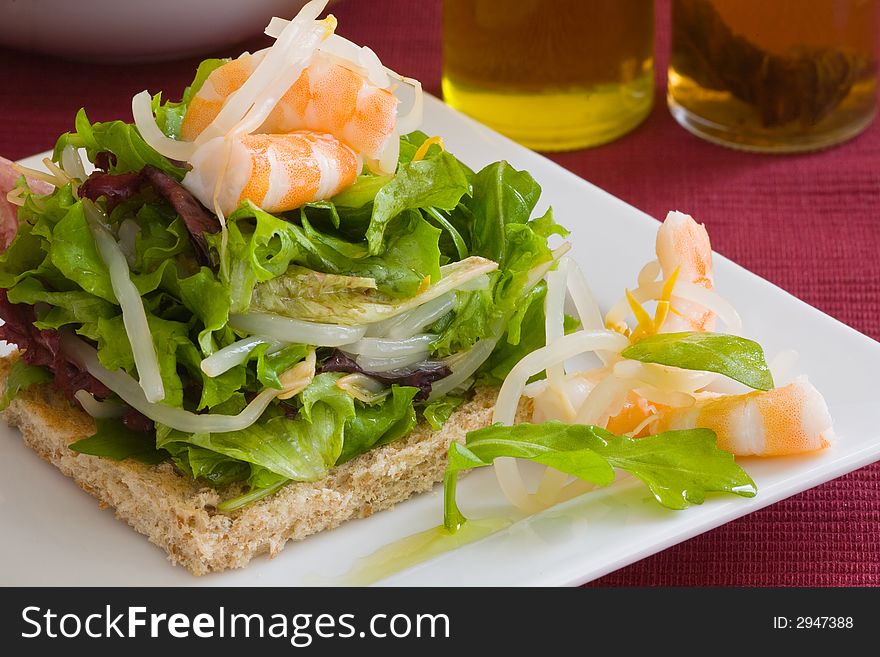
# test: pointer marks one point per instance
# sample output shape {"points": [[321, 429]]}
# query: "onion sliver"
{"points": [[134, 317], [554, 315], [587, 308], [72, 163], [413, 321], [142, 111], [564, 348], [297, 331], [98, 409], [383, 348], [463, 367], [228, 357], [176, 418], [663, 377], [370, 364]]}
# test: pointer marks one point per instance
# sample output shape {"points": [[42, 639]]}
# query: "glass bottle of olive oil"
{"points": [[551, 74], [774, 75]]}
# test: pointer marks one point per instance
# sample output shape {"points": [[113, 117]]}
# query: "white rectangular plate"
{"points": [[54, 534]]}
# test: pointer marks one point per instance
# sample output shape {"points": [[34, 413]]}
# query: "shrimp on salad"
{"points": [[634, 398], [290, 124]]}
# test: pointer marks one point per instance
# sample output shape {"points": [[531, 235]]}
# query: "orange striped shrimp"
{"points": [[276, 172], [788, 420], [328, 97]]}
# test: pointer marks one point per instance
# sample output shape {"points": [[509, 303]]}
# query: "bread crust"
{"points": [[179, 514]]}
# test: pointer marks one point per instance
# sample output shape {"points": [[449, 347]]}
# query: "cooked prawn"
{"points": [[788, 420], [276, 172], [327, 97], [683, 245], [685, 295]]}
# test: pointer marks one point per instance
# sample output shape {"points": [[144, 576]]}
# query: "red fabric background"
{"points": [[808, 223]]}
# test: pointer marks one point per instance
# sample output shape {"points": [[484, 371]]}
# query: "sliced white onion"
{"points": [[671, 398], [604, 401], [176, 418], [127, 233], [134, 317], [371, 364], [584, 301], [363, 388], [452, 276], [384, 348], [662, 377], [554, 315], [566, 347], [142, 111], [98, 409], [463, 367], [234, 354], [412, 120], [286, 329], [410, 323], [72, 163]]}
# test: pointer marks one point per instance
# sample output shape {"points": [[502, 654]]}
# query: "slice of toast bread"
{"points": [[180, 515]]}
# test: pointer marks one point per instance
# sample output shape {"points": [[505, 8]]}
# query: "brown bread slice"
{"points": [[179, 515]]}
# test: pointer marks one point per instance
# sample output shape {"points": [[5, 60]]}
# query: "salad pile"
{"points": [[311, 338], [282, 302]]}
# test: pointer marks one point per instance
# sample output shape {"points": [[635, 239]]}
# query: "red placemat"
{"points": [[809, 223]]}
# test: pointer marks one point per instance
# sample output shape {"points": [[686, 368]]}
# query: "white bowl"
{"points": [[134, 30]]}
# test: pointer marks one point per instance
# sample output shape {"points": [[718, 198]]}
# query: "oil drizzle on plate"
{"points": [[416, 548]]}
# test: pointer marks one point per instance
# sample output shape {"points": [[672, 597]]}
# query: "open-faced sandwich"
{"points": [[275, 305]]}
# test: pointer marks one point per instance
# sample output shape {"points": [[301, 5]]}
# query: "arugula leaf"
{"points": [[731, 356], [436, 182], [21, 377], [501, 196], [678, 467], [113, 440]]}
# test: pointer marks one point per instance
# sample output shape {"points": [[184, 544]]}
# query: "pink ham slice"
{"points": [[8, 211]]}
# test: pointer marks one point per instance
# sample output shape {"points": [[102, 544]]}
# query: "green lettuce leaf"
{"points": [[731, 356], [379, 424], [122, 139], [678, 467], [436, 182], [74, 253], [113, 440], [436, 413], [22, 376], [412, 257]]}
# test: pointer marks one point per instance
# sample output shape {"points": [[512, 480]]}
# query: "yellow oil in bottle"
{"points": [[551, 74], [774, 75]]}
